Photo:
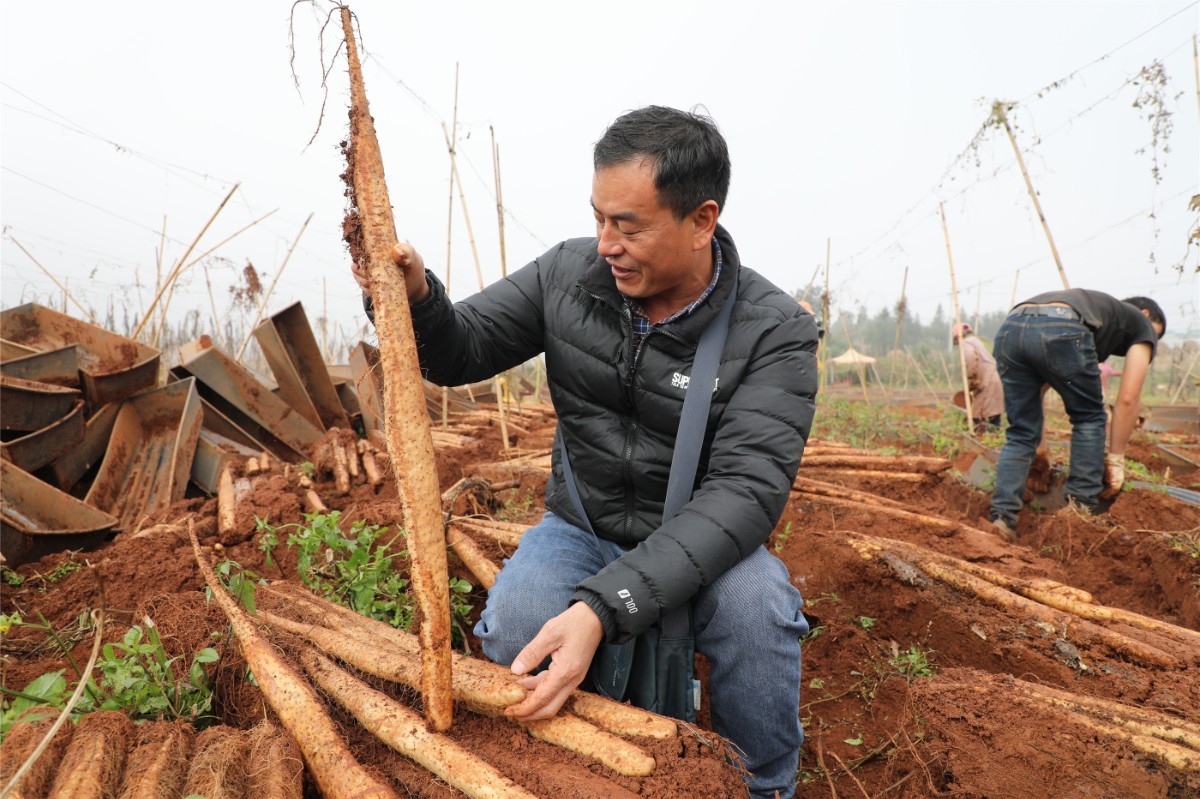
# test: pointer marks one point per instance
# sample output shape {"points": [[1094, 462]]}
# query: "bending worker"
{"points": [[619, 317], [1057, 340], [987, 398]]}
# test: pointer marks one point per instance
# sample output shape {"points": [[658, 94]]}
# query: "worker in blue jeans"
{"points": [[1057, 340]]}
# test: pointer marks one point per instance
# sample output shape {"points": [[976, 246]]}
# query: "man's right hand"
{"points": [[412, 267], [1114, 475], [1040, 471]]}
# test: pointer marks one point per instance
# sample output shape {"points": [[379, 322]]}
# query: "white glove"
{"points": [[1114, 475]]}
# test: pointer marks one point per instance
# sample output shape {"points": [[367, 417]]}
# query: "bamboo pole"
{"points": [[450, 229], [824, 347], [149, 312], [999, 111], [66, 293], [1186, 374], [962, 356], [409, 441], [499, 201], [212, 304], [921, 372], [267, 295], [479, 276], [175, 279]]}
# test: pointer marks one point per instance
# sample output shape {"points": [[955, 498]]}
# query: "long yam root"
{"points": [[407, 431], [404, 731]]}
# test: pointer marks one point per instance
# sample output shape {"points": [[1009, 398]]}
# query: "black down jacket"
{"points": [[618, 408]]}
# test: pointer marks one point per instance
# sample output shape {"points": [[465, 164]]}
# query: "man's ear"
{"points": [[704, 219]]}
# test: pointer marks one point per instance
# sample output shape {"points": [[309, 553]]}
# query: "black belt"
{"points": [[1060, 311]]}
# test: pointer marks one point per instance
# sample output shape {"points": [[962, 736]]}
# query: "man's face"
{"points": [[654, 257]]}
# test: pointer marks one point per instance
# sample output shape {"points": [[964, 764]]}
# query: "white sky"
{"points": [[842, 119]]}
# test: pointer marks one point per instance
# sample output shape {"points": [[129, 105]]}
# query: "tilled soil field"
{"points": [[943, 660]]}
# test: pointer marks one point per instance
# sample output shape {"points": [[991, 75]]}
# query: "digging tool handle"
{"points": [[665, 653]]}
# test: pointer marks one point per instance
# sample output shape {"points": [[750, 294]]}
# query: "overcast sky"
{"points": [[846, 121]]}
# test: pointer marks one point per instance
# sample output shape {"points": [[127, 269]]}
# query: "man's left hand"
{"points": [[570, 639]]}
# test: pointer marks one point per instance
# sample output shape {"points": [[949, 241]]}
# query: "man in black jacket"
{"points": [[1058, 340], [619, 317]]}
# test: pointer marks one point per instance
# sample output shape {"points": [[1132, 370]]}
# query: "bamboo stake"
{"points": [[921, 372], [962, 355], [212, 304], [479, 275], [499, 201], [267, 295], [450, 226], [149, 312], [66, 293], [193, 262], [823, 363], [409, 442], [999, 111], [1186, 374], [158, 258]]}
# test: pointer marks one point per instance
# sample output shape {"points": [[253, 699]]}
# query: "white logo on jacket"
{"points": [[630, 605], [682, 381]]}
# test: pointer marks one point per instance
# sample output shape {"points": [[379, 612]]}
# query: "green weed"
{"points": [[135, 677], [359, 569], [913, 663], [781, 538]]}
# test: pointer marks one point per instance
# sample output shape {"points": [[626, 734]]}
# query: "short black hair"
{"points": [[1156, 311], [691, 160]]}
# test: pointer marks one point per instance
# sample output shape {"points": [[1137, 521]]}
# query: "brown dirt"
{"points": [[960, 732]]}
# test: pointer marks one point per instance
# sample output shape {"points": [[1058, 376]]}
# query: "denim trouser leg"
{"points": [[1022, 383], [1032, 351], [748, 624]]}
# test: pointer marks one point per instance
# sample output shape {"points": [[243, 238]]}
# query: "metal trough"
{"points": [[73, 464], [58, 367], [11, 349], [34, 450], [150, 454], [29, 405], [113, 367], [213, 453], [38, 519], [288, 343], [237, 387]]}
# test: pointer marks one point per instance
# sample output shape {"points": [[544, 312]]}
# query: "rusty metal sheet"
{"points": [[213, 452], [349, 399], [10, 350], [291, 350], [73, 464], [58, 367], [113, 367], [34, 450], [364, 365], [150, 453], [234, 384], [339, 372], [29, 405], [37, 519]]}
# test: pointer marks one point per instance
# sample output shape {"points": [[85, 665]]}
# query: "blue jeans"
{"points": [[747, 623], [1032, 351]]}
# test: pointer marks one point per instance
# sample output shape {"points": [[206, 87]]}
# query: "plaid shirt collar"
{"points": [[641, 322]]}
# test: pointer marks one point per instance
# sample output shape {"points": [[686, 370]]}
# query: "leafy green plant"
{"points": [[8, 621], [240, 582], [134, 676], [1186, 542], [268, 540], [68, 566], [307, 469], [10, 577], [781, 538], [358, 569], [866, 622], [812, 634], [912, 663]]}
